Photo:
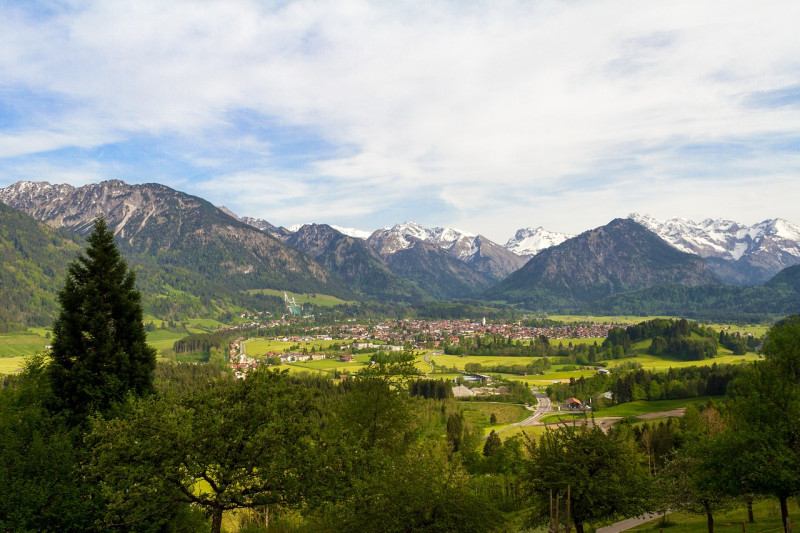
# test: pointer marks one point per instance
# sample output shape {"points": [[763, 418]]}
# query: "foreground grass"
{"points": [[767, 518]]}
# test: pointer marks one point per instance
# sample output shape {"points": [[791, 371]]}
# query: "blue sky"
{"points": [[486, 116]]}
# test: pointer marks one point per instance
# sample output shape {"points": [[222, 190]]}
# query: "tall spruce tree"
{"points": [[100, 349]]}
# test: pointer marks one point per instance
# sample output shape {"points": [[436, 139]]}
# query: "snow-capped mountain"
{"points": [[401, 236], [528, 242], [350, 232], [737, 253], [484, 255]]}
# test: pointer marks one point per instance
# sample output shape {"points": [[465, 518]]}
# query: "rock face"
{"points": [[481, 255], [161, 225], [354, 263], [735, 253], [618, 257]]}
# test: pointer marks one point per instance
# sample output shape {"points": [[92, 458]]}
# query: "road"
{"points": [[627, 524], [425, 357], [543, 407]]}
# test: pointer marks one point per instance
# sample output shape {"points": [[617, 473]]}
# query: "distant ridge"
{"points": [[620, 256], [737, 254]]}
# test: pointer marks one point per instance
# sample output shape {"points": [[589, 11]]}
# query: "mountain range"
{"points": [[193, 257]]}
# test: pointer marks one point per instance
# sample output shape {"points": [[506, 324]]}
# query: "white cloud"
{"points": [[480, 104]]}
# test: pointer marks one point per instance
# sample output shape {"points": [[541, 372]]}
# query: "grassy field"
{"points": [[11, 365], [618, 319], [163, 339], [323, 300], [261, 346], [767, 518], [22, 344], [632, 409], [651, 362], [480, 414]]}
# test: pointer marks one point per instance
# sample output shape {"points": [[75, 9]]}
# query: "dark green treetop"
{"points": [[100, 349]]}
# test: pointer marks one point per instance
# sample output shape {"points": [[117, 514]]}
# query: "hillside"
{"points": [[354, 263], [442, 275], [619, 257], [736, 253], [33, 259], [161, 226], [191, 258]]}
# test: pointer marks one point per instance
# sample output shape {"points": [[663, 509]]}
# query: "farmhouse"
{"points": [[574, 403]]}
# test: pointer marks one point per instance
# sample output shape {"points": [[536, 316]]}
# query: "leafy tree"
{"points": [[689, 482], [604, 473], [766, 418], [420, 490], [41, 488], [233, 444], [100, 349]]}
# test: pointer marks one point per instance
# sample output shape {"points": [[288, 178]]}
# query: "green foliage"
{"points": [[33, 258], [764, 442], [670, 338], [230, 444], [42, 489], [492, 445], [640, 384], [604, 473], [100, 350], [431, 389]]}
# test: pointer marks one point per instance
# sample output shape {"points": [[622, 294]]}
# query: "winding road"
{"points": [[543, 407]]}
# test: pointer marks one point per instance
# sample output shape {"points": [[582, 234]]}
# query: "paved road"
{"points": [[542, 408], [627, 524]]}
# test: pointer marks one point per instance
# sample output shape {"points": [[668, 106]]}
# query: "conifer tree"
{"points": [[100, 349]]}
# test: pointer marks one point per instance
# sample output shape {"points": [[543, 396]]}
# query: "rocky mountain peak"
{"points": [[528, 242]]}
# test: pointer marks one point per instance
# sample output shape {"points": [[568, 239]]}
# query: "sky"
{"points": [[488, 116]]}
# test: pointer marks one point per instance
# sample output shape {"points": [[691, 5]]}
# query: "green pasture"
{"points": [[618, 319], [641, 407], [652, 362], [531, 431], [766, 514], [632, 409], [11, 365], [450, 361], [480, 413], [20, 344], [163, 339], [577, 342], [262, 346], [323, 300]]}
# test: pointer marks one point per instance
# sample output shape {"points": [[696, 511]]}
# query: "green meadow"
{"points": [[263, 346], [767, 519], [651, 362], [323, 300], [11, 365], [23, 344]]}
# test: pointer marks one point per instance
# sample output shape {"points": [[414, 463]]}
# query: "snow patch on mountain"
{"points": [[528, 242], [726, 239], [461, 244]]}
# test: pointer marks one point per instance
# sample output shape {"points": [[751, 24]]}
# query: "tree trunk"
{"points": [[750, 517], [784, 510], [710, 521], [579, 527], [216, 520]]}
